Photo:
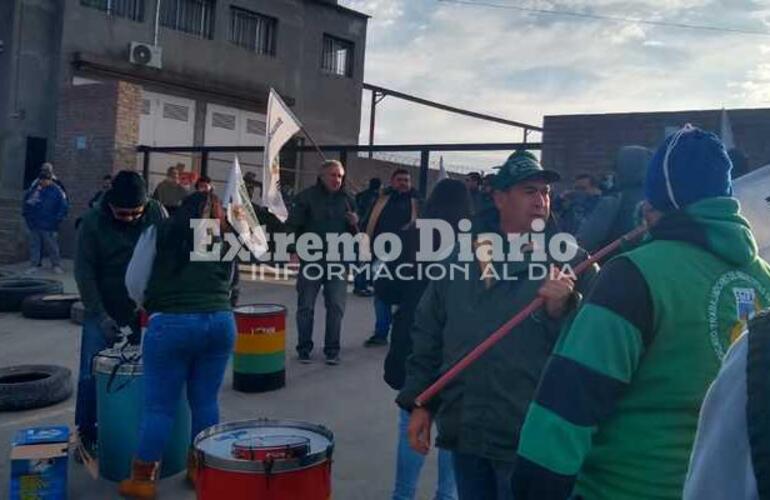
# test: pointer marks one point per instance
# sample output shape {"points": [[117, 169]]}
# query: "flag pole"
{"points": [[312, 141]]}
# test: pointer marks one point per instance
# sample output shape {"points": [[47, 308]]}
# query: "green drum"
{"points": [[120, 401]]}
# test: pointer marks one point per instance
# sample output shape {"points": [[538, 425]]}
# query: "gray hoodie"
{"points": [[617, 214]]}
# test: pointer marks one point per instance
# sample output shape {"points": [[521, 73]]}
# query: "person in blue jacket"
{"points": [[45, 206]]}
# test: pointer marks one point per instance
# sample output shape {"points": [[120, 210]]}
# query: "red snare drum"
{"points": [[264, 459]]}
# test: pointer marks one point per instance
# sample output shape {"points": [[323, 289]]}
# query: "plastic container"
{"points": [[120, 402]]}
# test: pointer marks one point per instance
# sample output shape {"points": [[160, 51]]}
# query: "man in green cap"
{"points": [[479, 414]]}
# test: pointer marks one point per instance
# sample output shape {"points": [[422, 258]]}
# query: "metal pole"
{"points": [[146, 167], [157, 23], [205, 163], [424, 159], [312, 141], [372, 112]]}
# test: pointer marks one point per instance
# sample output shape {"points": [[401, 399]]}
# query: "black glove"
{"points": [[110, 330]]}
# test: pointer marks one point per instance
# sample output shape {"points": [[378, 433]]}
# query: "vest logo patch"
{"points": [[734, 299], [745, 303]]}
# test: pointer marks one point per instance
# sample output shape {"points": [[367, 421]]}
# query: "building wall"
{"points": [[42, 40], [7, 64], [27, 83], [360, 170], [98, 128], [578, 143], [295, 71]]}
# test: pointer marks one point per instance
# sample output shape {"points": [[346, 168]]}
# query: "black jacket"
{"points": [[400, 337]]}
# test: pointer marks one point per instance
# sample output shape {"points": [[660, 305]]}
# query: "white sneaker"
{"points": [[32, 270], [58, 270]]}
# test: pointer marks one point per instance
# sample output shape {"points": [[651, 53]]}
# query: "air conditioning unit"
{"points": [[145, 54]]}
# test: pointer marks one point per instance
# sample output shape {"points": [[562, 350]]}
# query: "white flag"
{"points": [[752, 191], [281, 125], [726, 131], [240, 212], [441, 171]]}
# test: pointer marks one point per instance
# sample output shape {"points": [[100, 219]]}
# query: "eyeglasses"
{"points": [[127, 213]]}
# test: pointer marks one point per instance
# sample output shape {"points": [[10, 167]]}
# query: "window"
{"points": [[337, 57], [255, 127], [190, 16], [175, 112], [132, 9], [253, 31], [223, 120]]}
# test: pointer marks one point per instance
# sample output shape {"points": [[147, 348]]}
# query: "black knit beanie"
{"points": [[127, 191]]}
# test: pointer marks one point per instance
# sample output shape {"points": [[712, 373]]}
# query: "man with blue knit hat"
{"points": [[616, 410]]}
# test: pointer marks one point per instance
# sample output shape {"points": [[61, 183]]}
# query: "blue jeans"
{"points": [[482, 479], [181, 349], [91, 343], [409, 464], [361, 281], [383, 317], [37, 241]]}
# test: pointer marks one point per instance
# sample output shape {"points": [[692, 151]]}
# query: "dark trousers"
{"points": [[482, 479], [335, 295]]}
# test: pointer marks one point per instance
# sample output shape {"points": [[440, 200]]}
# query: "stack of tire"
{"points": [[35, 297], [25, 387]]}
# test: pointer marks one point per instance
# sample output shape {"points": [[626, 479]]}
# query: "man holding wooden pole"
{"points": [[480, 412]]}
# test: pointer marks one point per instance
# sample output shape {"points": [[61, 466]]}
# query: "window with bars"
{"points": [[253, 31], [337, 56], [190, 16], [131, 9]]}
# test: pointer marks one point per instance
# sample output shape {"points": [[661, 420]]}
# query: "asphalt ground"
{"points": [[350, 399]]}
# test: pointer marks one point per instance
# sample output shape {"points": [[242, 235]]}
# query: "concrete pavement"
{"points": [[351, 399]]}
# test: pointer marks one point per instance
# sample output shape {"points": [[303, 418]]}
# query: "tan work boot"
{"points": [[141, 486], [192, 467]]}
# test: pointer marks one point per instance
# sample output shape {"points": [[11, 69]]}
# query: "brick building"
{"points": [[589, 143], [83, 82]]}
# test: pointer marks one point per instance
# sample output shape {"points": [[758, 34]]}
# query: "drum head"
{"points": [[271, 447], [260, 309], [264, 445]]}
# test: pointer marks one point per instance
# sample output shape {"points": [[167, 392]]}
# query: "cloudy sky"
{"points": [[523, 66]]}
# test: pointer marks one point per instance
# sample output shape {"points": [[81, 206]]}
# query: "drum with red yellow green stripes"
{"points": [[259, 361]]}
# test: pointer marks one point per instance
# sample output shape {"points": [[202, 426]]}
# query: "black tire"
{"points": [[25, 387], [48, 306], [77, 313], [14, 290]]}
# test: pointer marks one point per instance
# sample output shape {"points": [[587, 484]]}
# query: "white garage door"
{"points": [[166, 120], [227, 126]]}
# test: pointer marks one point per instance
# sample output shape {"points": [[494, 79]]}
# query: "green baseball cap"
{"points": [[521, 165]]}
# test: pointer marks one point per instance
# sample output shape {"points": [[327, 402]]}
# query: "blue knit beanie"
{"points": [[690, 165]]}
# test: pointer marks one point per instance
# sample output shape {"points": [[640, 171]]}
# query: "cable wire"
{"points": [[620, 19]]}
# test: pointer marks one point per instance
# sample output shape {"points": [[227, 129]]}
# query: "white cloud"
{"points": [[524, 67]]}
